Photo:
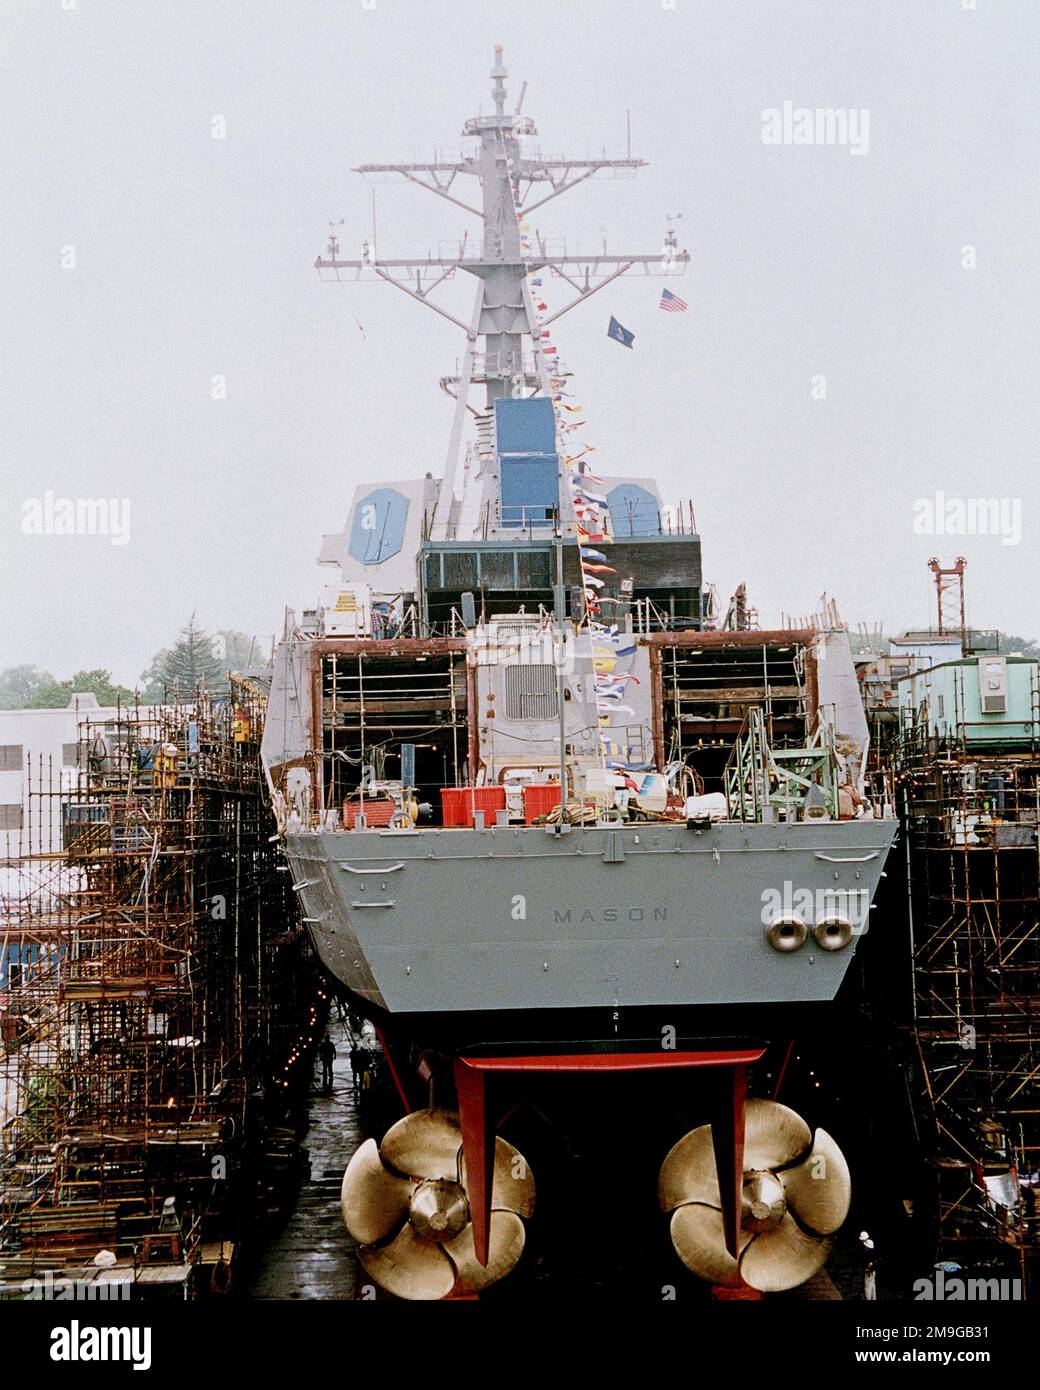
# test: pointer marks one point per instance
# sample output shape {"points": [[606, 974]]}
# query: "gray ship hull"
{"points": [[520, 919]]}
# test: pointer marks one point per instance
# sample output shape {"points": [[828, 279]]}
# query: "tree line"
{"points": [[195, 659]]}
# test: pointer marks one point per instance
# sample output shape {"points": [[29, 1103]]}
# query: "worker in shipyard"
{"points": [[165, 764], [327, 1053]]}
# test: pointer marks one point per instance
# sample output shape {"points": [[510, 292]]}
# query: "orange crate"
{"points": [[379, 812], [539, 800], [459, 803]]}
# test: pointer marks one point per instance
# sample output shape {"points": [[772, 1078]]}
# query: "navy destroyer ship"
{"points": [[547, 811]]}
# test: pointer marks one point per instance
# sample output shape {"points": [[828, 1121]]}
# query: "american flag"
{"points": [[672, 303]]}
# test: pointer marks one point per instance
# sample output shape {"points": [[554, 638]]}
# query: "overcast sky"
{"points": [[193, 258]]}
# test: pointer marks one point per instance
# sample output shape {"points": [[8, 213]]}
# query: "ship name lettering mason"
{"points": [[610, 914]]}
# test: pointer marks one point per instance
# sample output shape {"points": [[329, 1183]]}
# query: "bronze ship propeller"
{"points": [[795, 1196], [404, 1202]]}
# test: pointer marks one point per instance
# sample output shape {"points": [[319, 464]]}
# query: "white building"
{"points": [[41, 747]]}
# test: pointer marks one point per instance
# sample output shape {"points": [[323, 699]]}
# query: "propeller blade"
{"points": [[507, 1245], [774, 1136], [782, 1258], [409, 1267], [512, 1187], [819, 1190], [700, 1243], [424, 1144], [374, 1200], [688, 1172]]}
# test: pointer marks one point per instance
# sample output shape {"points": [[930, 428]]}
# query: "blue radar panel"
{"points": [[526, 426], [377, 531], [525, 437], [633, 511]]}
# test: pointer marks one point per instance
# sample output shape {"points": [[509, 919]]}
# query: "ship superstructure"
{"points": [[538, 803]]}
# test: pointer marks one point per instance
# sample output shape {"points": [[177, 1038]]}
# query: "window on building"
{"points": [[496, 569], [529, 692], [460, 570], [534, 569], [12, 757], [11, 816], [73, 755]]}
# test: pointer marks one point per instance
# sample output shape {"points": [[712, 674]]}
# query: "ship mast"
{"points": [[512, 185]]}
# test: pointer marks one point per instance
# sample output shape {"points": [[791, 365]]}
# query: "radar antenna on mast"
{"points": [[511, 182]]}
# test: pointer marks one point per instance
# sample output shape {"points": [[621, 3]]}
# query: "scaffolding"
{"points": [[156, 1005], [707, 685], [971, 815], [376, 699]]}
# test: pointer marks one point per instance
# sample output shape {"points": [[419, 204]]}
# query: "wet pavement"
{"points": [[312, 1256]]}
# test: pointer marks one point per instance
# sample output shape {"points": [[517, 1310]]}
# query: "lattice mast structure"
{"points": [[949, 596], [511, 181]]}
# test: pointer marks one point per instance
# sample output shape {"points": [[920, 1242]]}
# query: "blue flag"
{"points": [[619, 334]]}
